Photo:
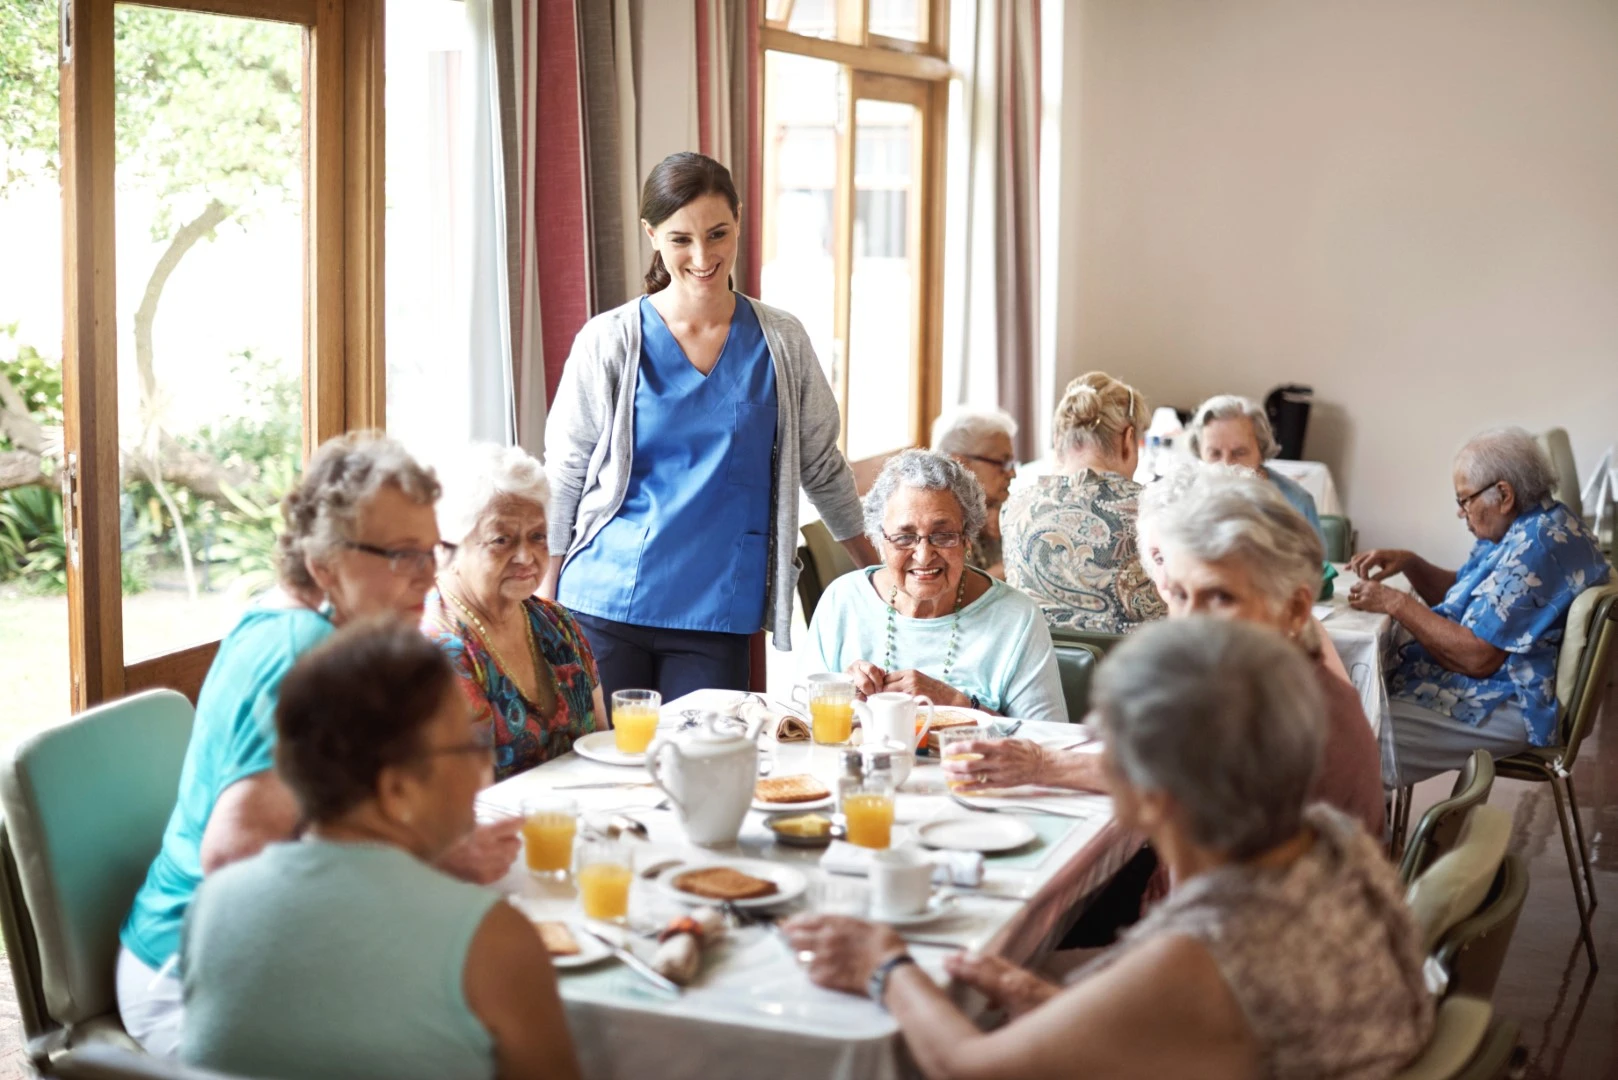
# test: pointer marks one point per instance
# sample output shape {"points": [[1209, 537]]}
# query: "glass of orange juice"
{"points": [[634, 719], [830, 698], [603, 879], [950, 741], [548, 825]]}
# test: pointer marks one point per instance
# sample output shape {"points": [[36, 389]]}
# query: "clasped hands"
{"points": [[870, 679]]}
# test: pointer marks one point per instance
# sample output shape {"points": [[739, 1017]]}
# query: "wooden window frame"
{"points": [[343, 360]]}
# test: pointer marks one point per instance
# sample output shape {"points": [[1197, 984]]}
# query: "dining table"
{"points": [[1367, 642], [752, 1010]]}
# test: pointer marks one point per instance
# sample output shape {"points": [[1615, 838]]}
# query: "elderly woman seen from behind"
{"points": [[1481, 670], [523, 662], [923, 622], [1070, 540], [1285, 948], [1231, 430], [980, 439]]}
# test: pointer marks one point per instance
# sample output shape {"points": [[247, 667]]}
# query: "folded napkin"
{"points": [[964, 868], [779, 724]]}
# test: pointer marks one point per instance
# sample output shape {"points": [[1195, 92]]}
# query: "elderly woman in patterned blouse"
{"points": [[522, 661], [1070, 540], [1481, 670]]}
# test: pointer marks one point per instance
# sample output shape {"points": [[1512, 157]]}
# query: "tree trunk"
{"points": [[213, 215]]}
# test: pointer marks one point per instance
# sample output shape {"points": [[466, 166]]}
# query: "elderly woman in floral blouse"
{"points": [[1070, 540], [522, 661]]}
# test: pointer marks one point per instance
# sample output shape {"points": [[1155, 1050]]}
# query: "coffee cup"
{"points": [[901, 883]]}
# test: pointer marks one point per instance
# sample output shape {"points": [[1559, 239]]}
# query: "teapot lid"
{"points": [[715, 731]]}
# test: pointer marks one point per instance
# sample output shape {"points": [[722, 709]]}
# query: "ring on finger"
{"points": [[806, 957]]}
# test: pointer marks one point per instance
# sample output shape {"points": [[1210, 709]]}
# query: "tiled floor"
{"points": [[1566, 1013]]}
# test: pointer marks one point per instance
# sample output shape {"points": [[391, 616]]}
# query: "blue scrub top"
{"points": [[689, 547]]}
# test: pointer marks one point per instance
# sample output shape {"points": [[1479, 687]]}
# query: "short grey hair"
{"points": [[925, 470], [1233, 513], [344, 474], [477, 477], [958, 431], [1511, 455], [1229, 407], [1224, 717]]}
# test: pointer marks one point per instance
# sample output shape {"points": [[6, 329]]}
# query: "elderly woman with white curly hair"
{"points": [[1481, 670], [1232, 430], [923, 622], [522, 660]]}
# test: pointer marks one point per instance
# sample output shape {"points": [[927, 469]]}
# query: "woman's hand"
{"points": [[1374, 596], [1005, 763], [868, 678], [914, 682], [1380, 563], [1011, 989], [484, 855], [841, 952]]}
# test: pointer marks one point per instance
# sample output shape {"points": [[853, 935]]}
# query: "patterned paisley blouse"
{"points": [[522, 737], [1070, 544]]}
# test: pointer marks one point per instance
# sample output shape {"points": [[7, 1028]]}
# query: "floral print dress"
{"points": [[522, 737], [1514, 594]]}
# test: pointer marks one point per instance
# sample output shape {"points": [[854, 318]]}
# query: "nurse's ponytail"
{"points": [[675, 181]]}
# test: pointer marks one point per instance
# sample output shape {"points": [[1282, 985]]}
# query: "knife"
{"points": [[601, 784], [635, 963]]}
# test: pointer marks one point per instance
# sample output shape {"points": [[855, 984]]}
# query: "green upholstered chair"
{"points": [[824, 559], [113, 1063], [1472, 952], [1338, 532], [1468, 1043], [85, 807], [1441, 825], [1455, 886], [1102, 643], [1076, 662]]}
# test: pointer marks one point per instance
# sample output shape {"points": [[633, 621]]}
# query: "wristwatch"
{"points": [[877, 986]]}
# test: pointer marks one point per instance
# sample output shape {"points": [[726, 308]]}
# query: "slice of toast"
{"points": [[723, 883], [558, 939], [800, 787], [948, 718]]}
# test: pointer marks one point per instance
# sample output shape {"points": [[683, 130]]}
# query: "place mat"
{"points": [[1050, 832]]}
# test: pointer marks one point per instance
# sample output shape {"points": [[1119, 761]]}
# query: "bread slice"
{"points": [[800, 787], [558, 939], [723, 883], [948, 718]]}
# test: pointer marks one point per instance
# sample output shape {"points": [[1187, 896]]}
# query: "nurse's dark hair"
{"points": [[676, 181], [352, 706]]}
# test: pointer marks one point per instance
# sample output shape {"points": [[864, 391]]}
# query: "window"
{"points": [[853, 192]]}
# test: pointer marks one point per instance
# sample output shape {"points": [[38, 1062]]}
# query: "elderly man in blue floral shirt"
{"points": [[1481, 668]]}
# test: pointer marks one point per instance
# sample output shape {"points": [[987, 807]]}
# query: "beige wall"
{"points": [[1411, 205]]}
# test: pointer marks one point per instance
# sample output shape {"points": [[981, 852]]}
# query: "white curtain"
{"points": [[492, 405]]}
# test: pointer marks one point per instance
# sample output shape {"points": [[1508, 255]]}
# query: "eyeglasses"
{"points": [[1465, 501], [906, 541], [411, 561], [1006, 465]]}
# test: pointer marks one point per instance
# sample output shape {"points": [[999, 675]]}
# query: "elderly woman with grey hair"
{"points": [[1481, 668], [1231, 430], [1284, 948], [923, 622], [980, 439], [521, 660]]}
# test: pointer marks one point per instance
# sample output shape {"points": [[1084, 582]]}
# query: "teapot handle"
{"points": [[654, 757], [927, 725]]}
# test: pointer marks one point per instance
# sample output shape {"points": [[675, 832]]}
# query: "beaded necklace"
{"points": [[541, 669], [954, 629]]}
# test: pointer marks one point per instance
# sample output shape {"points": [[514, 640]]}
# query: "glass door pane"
{"points": [[902, 19], [210, 287]]}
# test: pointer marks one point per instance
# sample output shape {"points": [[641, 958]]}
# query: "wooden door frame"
{"points": [[343, 360]]}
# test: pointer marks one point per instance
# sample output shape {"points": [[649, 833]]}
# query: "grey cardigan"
{"points": [[590, 439]]}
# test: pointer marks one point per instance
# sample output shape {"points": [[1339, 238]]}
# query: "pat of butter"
{"points": [[807, 825]]}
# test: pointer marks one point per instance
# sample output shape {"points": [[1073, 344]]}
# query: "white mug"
{"points": [[892, 715], [901, 883]]}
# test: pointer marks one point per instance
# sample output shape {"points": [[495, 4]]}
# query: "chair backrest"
{"points": [[1467, 1043], [1339, 536], [810, 587], [1102, 643], [1076, 662], [1588, 643], [85, 808], [1474, 950], [826, 558], [1456, 886], [1559, 448], [1440, 827], [113, 1063]]}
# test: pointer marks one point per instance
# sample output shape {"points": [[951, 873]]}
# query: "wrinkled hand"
{"points": [[911, 681], [1012, 989], [1005, 763], [1374, 596], [841, 952], [1379, 564], [484, 855], [868, 678]]}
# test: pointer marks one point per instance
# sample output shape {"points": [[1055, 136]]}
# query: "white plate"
{"points": [[937, 908], [789, 882], [788, 807], [980, 832], [601, 746]]}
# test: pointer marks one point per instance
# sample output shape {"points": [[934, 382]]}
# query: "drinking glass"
{"points": [[950, 740], [548, 826], [868, 810], [830, 698], [634, 719], [606, 870]]}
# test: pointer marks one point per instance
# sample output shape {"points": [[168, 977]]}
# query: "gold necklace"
{"points": [[540, 667]]}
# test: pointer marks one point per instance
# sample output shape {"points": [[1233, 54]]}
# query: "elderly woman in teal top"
{"points": [[924, 622], [347, 953], [684, 426], [358, 542], [1479, 669], [1231, 430]]}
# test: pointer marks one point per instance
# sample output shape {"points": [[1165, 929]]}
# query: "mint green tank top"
{"points": [[321, 960]]}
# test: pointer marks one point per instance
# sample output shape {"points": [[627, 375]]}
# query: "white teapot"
{"points": [[710, 777]]}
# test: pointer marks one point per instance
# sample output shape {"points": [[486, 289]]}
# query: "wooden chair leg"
{"points": [[1573, 874], [1584, 846]]}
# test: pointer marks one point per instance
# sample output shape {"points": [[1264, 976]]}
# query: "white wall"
{"points": [[1411, 205]]}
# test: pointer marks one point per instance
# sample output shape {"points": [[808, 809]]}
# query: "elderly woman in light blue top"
{"points": [[923, 622], [685, 425], [1231, 430]]}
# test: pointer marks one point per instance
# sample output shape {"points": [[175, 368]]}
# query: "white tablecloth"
{"points": [[753, 1012], [1366, 642], [1315, 478]]}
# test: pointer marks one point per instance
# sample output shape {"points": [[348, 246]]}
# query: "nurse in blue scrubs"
{"points": [[685, 425]]}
